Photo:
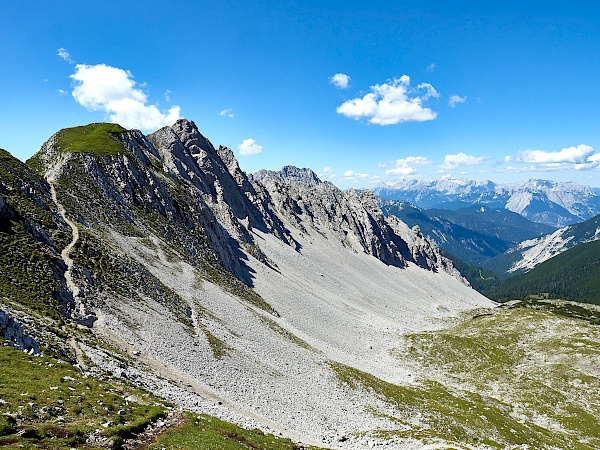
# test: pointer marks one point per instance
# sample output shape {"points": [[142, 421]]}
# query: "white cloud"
{"points": [[227, 113], [249, 147], [340, 80], [354, 175], [168, 95], [64, 54], [431, 67], [327, 169], [112, 90], [62, 92], [454, 99], [452, 162], [579, 158], [407, 166], [392, 103]]}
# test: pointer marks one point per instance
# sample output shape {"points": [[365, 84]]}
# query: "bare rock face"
{"points": [[354, 218], [289, 175], [12, 330]]}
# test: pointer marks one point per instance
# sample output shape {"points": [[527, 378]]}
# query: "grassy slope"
{"points": [[525, 375], [29, 239], [49, 404], [573, 274]]}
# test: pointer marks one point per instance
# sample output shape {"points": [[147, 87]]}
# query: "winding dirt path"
{"points": [[67, 250]]}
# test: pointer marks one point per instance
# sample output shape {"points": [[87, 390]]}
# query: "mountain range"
{"points": [[474, 234], [160, 292], [157, 260], [548, 202]]}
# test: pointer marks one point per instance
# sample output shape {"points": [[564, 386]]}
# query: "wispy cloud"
{"points": [[64, 54], [452, 162], [454, 99], [249, 147], [227, 113], [407, 166], [391, 103], [431, 67], [340, 80], [582, 157], [112, 90]]}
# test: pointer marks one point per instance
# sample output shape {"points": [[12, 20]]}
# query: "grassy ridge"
{"points": [[29, 239], [97, 139]]}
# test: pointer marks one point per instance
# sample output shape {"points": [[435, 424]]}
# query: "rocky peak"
{"points": [[288, 175]]}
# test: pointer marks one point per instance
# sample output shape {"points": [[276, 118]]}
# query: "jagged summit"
{"points": [[288, 175], [226, 284]]}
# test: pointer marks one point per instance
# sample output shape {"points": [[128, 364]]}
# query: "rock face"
{"points": [[230, 293], [355, 219]]}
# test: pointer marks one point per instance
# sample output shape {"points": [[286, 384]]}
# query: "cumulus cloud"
{"points": [[64, 54], [579, 158], [112, 90], [407, 166], [391, 103], [340, 80], [454, 99], [227, 113], [327, 169], [354, 175], [452, 162], [249, 147]]}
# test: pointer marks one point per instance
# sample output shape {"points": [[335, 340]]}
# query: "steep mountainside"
{"points": [[224, 293], [573, 275], [466, 244], [547, 202], [529, 253], [501, 223]]}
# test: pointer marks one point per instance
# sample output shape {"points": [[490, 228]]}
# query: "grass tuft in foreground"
{"points": [[45, 403]]}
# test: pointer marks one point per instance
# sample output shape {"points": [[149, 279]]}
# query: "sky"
{"points": [[363, 93]]}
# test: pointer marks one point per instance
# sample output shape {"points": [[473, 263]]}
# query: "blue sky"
{"points": [[360, 93]]}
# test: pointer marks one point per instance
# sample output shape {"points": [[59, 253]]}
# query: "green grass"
{"points": [[98, 139], [209, 433], [27, 276], [50, 404], [524, 375]]}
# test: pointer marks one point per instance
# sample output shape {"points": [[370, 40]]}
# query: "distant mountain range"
{"points": [[474, 234], [548, 202]]}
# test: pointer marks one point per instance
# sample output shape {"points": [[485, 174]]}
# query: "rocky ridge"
{"points": [[230, 292]]}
